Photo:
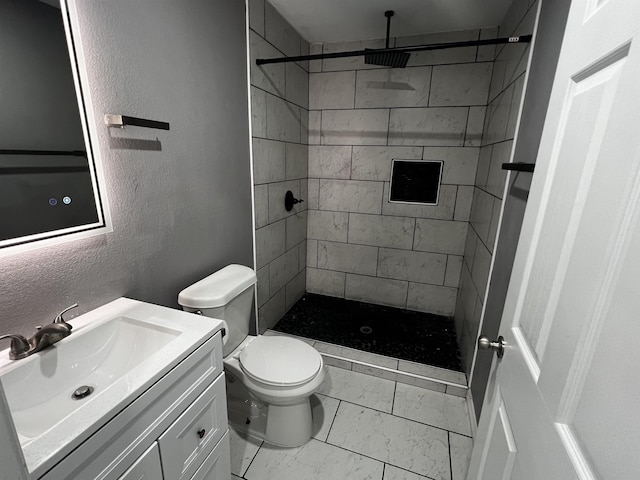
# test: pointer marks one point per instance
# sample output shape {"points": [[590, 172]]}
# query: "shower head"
{"points": [[387, 59]]}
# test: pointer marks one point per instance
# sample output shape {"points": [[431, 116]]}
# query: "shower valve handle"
{"points": [[290, 201]]}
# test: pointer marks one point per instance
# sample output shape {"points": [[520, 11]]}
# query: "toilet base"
{"points": [[289, 425], [282, 426]]}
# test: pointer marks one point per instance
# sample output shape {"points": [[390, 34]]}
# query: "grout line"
{"points": [[335, 415], [393, 398], [449, 449], [254, 457], [396, 416]]}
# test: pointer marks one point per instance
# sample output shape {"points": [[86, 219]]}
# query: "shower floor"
{"points": [[393, 332]]}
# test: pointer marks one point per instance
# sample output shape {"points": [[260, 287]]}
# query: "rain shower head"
{"points": [[387, 59]]}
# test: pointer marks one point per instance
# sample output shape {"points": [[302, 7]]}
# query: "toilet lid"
{"points": [[280, 361]]}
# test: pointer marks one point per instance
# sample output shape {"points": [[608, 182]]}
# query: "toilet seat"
{"points": [[280, 361]]}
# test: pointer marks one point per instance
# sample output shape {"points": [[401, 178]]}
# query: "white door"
{"points": [[564, 401]]}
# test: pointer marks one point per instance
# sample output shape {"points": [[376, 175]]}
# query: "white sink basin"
{"points": [[119, 350]]}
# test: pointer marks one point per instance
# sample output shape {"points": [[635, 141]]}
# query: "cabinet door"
{"points": [[147, 467], [217, 466], [189, 440]]}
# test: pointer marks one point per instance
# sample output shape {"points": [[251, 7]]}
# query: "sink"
{"points": [[118, 351]]}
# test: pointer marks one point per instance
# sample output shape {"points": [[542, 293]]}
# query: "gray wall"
{"points": [[279, 107], [180, 200], [549, 36], [505, 96], [360, 245]]}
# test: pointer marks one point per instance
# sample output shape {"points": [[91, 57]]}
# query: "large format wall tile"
{"points": [[283, 120], [266, 77], [437, 57], [279, 33], [460, 85], [326, 225], [381, 231], [270, 243], [439, 126], [325, 282], [297, 85], [420, 267], [332, 90], [382, 291], [351, 196], [348, 63], [355, 127], [268, 161], [440, 237], [329, 161], [297, 161], [374, 163], [393, 87], [432, 298], [345, 257]]}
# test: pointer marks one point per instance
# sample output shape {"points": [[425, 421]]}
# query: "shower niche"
{"points": [[415, 181]]}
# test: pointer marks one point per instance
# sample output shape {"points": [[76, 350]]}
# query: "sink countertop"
{"points": [[43, 450]]}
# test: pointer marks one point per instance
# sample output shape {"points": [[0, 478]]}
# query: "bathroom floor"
{"points": [[393, 332], [367, 428]]}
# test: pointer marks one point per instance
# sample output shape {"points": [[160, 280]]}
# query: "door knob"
{"points": [[485, 344]]}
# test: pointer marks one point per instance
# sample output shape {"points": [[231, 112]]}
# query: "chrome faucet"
{"points": [[45, 336]]}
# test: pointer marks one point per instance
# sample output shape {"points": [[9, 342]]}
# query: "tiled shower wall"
{"points": [[360, 246], [279, 104], [505, 96]]}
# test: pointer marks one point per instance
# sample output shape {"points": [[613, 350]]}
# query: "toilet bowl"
{"points": [[270, 378]]}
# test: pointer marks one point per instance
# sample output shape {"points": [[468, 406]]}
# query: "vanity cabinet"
{"points": [[176, 430]]}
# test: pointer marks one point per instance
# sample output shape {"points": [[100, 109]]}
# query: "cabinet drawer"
{"points": [[147, 467], [217, 465], [188, 441]]}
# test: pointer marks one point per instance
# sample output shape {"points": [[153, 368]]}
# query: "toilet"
{"points": [[270, 379]]}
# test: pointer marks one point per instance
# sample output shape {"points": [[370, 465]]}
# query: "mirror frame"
{"points": [[87, 120]]}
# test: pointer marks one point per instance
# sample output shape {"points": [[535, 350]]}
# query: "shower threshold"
{"points": [[412, 339]]}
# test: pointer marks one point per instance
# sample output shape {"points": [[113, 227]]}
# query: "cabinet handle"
{"points": [[201, 433]]}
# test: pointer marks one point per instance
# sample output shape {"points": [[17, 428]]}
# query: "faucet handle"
{"points": [[59, 318], [19, 346]]}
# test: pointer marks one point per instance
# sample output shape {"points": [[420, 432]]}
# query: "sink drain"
{"points": [[366, 329], [82, 392]]}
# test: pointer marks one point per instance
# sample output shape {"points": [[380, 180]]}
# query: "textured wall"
{"points": [[360, 245], [505, 97], [279, 103], [180, 200]]}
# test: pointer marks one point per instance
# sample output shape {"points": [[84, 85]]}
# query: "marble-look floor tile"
{"points": [[314, 460], [460, 450], [324, 411], [403, 443], [234, 477], [433, 408], [365, 390], [395, 473], [243, 450]]}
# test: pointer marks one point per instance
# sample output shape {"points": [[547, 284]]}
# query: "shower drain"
{"points": [[366, 329]]}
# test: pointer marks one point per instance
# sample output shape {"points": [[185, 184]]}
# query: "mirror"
{"points": [[48, 184]]}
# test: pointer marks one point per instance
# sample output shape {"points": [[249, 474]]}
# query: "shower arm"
{"points": [[416, 48]]}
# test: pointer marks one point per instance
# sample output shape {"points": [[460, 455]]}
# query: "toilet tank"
{"points": [[226, 295]]}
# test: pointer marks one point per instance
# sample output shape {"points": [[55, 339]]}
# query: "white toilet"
{"points": [[278, 374]]}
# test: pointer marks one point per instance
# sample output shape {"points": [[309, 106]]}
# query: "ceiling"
{"points": [[347, 20]]}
